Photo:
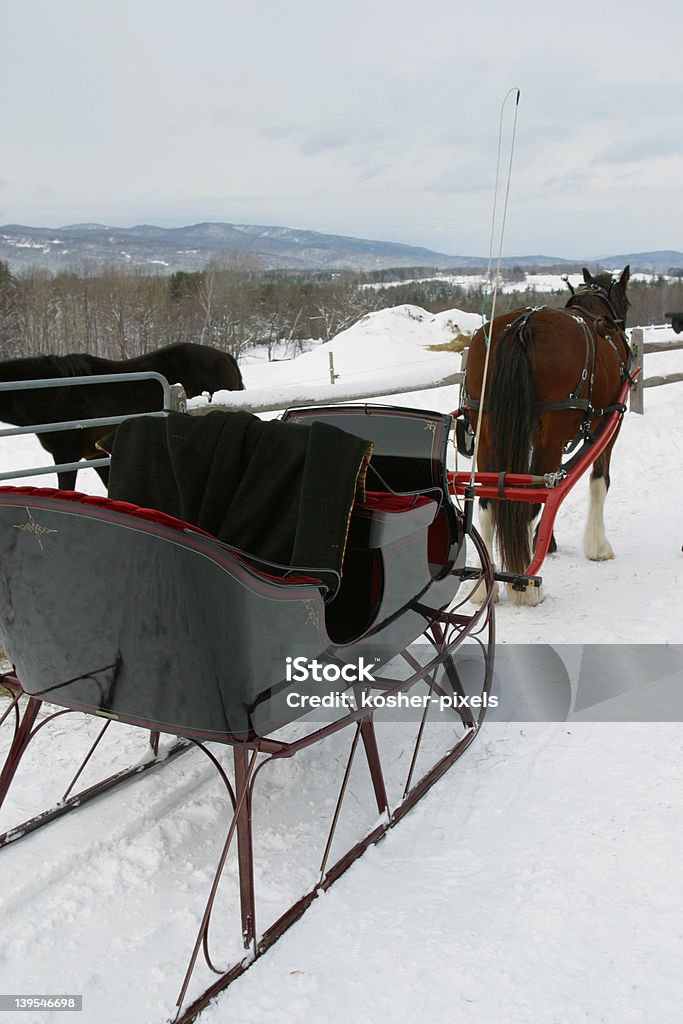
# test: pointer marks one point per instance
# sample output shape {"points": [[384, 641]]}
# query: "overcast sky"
{"points": [[375, 119]]}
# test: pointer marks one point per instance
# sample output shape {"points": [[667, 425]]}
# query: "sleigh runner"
{"points": [[162, 625]]}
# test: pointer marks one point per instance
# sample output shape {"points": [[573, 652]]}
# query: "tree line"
{"points": [[119, 313], [236, 305], [649, 300]]}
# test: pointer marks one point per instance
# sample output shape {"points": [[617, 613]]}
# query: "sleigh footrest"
{"points": [[519, 581]]}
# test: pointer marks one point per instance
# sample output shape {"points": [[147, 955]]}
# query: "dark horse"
{"points": [[552, 375], [198, 368]]}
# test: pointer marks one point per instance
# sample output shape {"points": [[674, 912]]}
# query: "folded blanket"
{"points": [[279, 491]]}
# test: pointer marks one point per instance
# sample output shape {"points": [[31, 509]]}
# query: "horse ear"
{"points": [[625, 275], [587, 276]]}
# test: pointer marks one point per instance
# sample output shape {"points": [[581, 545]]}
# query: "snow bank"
{"points": [[373, 348]]}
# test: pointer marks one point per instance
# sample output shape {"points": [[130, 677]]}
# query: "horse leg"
{"points": [[546, 457], [62, 449], [514, 520], [67, 480], [595, 543], [552, 547], [486, 531], [529, 595]]}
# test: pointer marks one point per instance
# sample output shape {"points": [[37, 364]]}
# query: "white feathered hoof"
{"points": [[478, 595], [598, 552], [530, 596]]}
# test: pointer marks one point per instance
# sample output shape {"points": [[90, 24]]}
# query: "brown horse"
{"points": [[198, 368], [553, 374]]}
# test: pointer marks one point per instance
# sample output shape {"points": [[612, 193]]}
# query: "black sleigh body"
{"points": [[146, 619]]}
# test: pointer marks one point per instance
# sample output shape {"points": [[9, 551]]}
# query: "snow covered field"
{"points": [[539, 881]]}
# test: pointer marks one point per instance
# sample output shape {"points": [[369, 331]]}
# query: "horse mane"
{"points": [[76, 364], [30, 368]]}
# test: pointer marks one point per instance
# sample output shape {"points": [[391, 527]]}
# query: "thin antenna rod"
{"points": [[487, 338]]}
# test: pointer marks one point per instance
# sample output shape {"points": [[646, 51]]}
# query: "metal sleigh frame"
{"points": [[423, 594]]}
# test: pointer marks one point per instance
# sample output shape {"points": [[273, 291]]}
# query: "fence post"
{"points": [[178, 398], [636, 396]]}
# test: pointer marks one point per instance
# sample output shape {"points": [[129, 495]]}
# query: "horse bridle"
{"points": [[605, 294]]}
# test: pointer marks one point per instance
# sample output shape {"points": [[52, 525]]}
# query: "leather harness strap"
{"points": [[579, 315]]}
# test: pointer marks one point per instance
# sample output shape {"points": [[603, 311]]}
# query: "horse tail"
{"points": [[512, 417]]}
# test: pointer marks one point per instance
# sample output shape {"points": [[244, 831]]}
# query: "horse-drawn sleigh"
{"points": [[201, 602], [119, 609]]}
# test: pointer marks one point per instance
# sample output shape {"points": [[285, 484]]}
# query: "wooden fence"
{"points": [[640, 348], [275, 398], [286, 396]]}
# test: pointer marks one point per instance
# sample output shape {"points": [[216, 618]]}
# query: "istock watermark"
{"points": [[356, 680], [302, 670]]}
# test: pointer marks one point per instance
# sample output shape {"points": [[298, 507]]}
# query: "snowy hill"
{"points": [[191, 247]]}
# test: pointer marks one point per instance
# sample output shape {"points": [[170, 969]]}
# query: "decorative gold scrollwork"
{"points": [[311, 612], [35, 529]]}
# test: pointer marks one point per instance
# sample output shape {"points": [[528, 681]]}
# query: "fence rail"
{"points": [[273, 399], [169, 397]]}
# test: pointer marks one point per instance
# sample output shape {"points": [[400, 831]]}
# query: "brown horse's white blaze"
{"points": [[552, 373]]}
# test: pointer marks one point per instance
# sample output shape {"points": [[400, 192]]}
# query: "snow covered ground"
{"points": [[539, 881]]}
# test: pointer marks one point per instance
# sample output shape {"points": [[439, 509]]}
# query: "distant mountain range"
{"points": [[145, 246]]}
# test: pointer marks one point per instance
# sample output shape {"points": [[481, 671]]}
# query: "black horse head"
{"points": [[603, 294]]}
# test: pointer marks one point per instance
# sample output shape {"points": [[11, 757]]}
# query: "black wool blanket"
{"points": [[282, 492]]}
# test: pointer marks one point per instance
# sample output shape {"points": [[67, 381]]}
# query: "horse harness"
{"points": [[582, 317]]}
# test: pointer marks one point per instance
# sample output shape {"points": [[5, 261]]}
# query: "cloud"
{"points": [[362, 118], [650, 145]]}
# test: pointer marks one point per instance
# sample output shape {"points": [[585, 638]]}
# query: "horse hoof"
{"points": [[530, 597], [603, 553], [478, 595]]}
